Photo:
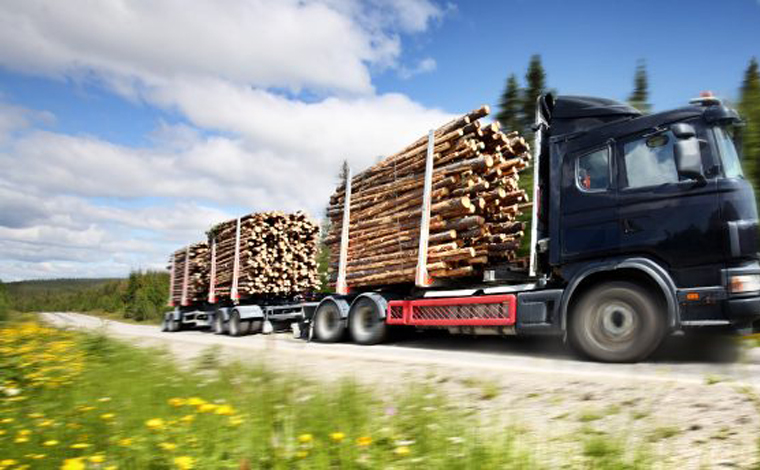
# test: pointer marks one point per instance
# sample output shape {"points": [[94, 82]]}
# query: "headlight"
{"points": [[745, 283]]}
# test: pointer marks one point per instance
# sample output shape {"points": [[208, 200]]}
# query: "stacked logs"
{"points": [[475, 204], [277, 255], [197, 273]]}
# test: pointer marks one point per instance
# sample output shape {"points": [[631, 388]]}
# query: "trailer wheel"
{"points": [[236, 326], [164, 325], [366, 323], [329, 327], [617, 322], [218, 325]]}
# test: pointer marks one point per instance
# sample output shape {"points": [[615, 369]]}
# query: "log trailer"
{"points": [[642, 226]]}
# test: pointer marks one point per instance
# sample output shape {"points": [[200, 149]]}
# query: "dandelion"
{"points": [[337, 436], [195, 401], [187, 419], [170, 446], [176, 402], [236, 420], [155, 424], [107, 416], [98, 458], [184, 462], [38, 456], [224, 410], [80, 445], [46, 423], [73, 464], [50, 443], [36, 415], [402, 451], [302, 454], [206, 408], [125, 442], [104, 399], [305, 438], [364, 441], [21, 440], [7, 462]]}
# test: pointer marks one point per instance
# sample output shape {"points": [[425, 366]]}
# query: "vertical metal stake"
{"points": [[186, 276], [212, 274], [536, 175], [341, 287], [421, 278], [171, 283], [236, 264]]}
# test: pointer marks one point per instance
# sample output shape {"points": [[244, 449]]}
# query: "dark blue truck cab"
{"points": [[644, 222]]}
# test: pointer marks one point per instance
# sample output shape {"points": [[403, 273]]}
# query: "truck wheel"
{"points": [[617, 322], [236, 325], [366, 323], [218, 325], [164, 325], [329, 327]]}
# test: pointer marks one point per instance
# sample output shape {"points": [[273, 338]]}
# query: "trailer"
{"points": [[642, 226]]}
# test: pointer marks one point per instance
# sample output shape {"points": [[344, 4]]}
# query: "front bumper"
{"points": [[743, 312]]}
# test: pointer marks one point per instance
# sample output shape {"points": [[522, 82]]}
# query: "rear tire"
{"points": [[329, 327], [236, 326], [366, 323], [218, 325], [617, 322]]}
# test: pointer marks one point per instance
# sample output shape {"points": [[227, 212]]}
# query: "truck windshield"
{"points": [[728, 155]]}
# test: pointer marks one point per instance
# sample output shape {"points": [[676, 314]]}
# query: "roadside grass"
{"points": [[78, 400]]}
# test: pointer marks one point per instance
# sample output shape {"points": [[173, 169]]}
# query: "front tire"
{"points": [[366, 323], [617, 322], [329, 327]]}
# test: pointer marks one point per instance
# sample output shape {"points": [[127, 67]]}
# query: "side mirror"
{"points": [[688, 159], [683, 131]]}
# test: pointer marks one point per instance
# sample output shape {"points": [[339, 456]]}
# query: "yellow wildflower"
{"points": [[7, 420], [7, 462], [104, 399], [207, 408], [80, 445], [39, 456], [50, 443], [224, 410], [236, 420], [305, 438], [111, 467], [125, 442], [21, 440], [364, 441], [107, 416], [167, 446], [184, 462], [155, 423], [302, 454], [337, 436], [187, 418], [195, 401], [402, 451], [98, 458], [176, 401], [46, 423], [35, 415], [73, 464], [24, 432]]}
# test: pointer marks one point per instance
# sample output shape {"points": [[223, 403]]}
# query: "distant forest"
{"points": [[140, 297]]}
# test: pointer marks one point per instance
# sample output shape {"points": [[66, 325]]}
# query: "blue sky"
{"points": [[127, 129]]}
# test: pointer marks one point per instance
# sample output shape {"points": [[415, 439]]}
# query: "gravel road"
{"points": [[694, 404]]}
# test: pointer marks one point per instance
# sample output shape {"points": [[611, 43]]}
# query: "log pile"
{"points": [[197, 273], [475, 204], [277, 255]]}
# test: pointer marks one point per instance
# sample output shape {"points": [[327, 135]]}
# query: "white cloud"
{"points": [[69, 201], [424, 66]]}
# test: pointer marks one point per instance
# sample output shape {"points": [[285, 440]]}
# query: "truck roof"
{"points": [[586, 120]]}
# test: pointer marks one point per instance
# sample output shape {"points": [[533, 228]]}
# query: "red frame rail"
{"points": [[492, 310]]}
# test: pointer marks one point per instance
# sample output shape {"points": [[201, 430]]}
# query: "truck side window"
{"points": [[650, 161], [592, 171]]}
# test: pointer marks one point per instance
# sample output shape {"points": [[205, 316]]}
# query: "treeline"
{"points": [[140, 297]]}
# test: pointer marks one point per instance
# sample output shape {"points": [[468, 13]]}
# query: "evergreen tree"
{"points": [[640, 96], [509, 106], [749, 108], [4, 302], [535, 79]]}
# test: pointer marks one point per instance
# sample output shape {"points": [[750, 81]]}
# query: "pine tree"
{"points": [[640, 95], [749, 108], [509, 106], [535, 79]]}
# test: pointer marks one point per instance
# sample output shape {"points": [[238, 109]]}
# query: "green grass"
{"points": [[86, 399]]}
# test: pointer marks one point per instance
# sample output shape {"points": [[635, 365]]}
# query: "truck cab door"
{"points": [[589, 226], [664, 216]]}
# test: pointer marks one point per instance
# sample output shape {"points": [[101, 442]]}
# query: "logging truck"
{"points": [[641, 226]]}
